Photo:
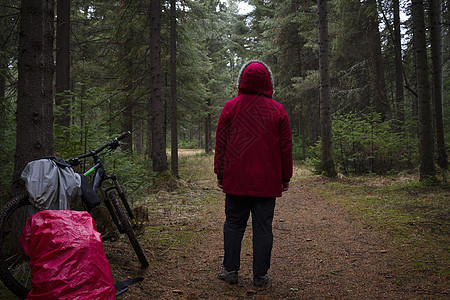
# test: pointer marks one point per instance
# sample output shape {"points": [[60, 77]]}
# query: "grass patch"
{"points": [[177, 211], [416, 217]]}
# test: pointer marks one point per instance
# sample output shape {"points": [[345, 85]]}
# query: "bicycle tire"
{"points": [[128, 229], [15, 269]]}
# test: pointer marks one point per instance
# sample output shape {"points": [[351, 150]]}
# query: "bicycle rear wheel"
{"points": [[14, 264], [127, 228]]}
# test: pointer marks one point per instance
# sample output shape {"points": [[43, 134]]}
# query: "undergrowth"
{"points": [[177, 209]]}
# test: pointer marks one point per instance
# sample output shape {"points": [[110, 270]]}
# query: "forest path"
{"points": [[319, 252]]}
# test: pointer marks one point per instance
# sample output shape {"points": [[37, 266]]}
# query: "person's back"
{"points": [[253, 141], [253, 163]]}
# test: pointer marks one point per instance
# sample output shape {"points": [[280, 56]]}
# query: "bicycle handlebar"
{"points": [[123, 136], [111, 145]]}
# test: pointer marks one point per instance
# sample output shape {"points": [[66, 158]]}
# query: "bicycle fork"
{"points": [[123, 199]]}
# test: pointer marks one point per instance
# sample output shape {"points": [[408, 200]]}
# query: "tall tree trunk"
{"points": [[62, 88], [325, 116], [127, 123], [5, 29], [34, 134], [148, 141], [127, 102], [83, 127], [2, 103], [159, 157], [208, 139], [313, 119], [302, 131], [426, 168], [435, 14], [200, 134], [399, 93], [173, 90], [380, 102], [138, 135]]}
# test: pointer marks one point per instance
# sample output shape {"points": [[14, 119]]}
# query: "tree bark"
{"points": [[325, 116], [138, 139], [127, 102], [208, 138], [2, 104], [148, 141], [302, 131], [5, 50], [127, 123], [426, 168], [34, 134], [62, 88], [380, 102], [173, 90], [435, 15], [399, 93], [159, 157], [128, 77], [314, 119]]}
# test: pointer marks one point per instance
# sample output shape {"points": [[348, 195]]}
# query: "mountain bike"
{"points": [[14, 264]]}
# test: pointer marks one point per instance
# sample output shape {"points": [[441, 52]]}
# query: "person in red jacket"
{"points": [[253, 163]]}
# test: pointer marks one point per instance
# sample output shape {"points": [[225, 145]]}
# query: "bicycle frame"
{"points": [[100, 176], [123, 219]]}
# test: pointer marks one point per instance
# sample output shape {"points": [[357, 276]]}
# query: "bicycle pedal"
{"points": [[112, 237]]}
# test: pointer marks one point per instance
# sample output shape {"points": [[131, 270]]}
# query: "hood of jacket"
{"points": [[256, 78]]}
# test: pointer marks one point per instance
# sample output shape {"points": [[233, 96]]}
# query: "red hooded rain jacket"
{"points": [[253, 152]]}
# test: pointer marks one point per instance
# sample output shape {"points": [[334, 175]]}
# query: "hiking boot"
{"points": [[230, 277], [260, 281]]}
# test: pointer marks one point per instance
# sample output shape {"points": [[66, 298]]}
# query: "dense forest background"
{"points": [[111, 66]]}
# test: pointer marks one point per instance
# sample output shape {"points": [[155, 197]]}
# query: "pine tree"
{"points": [[157, 117], [399, 93], [325, 116], [173, 90], [426, 168], [380, 102], [34, 135], [435, 17], [62, 87]]}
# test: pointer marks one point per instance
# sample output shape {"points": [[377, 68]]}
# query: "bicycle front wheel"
{"points": [[127, 228], [14, 264]]}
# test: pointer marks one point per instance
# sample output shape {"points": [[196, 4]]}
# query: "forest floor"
{"points": [[347, 238]]}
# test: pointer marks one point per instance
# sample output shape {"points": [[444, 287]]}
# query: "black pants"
{"points": [[237, 211]]}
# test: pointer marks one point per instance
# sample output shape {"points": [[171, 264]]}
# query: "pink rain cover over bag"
{"points": [[67, 258]]}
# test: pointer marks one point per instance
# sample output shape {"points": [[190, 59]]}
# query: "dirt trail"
{"points": [[319, 253]]}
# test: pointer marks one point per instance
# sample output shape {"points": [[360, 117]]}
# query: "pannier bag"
{"points": [[51, 183], [88, 195], [67, 259]]}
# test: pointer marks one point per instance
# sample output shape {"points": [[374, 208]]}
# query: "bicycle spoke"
{"points": [[24, 273], [18, 257], [14, 263], [20, 269]]}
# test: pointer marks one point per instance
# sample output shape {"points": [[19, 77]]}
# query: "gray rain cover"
{"points": [[50, 186]]}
